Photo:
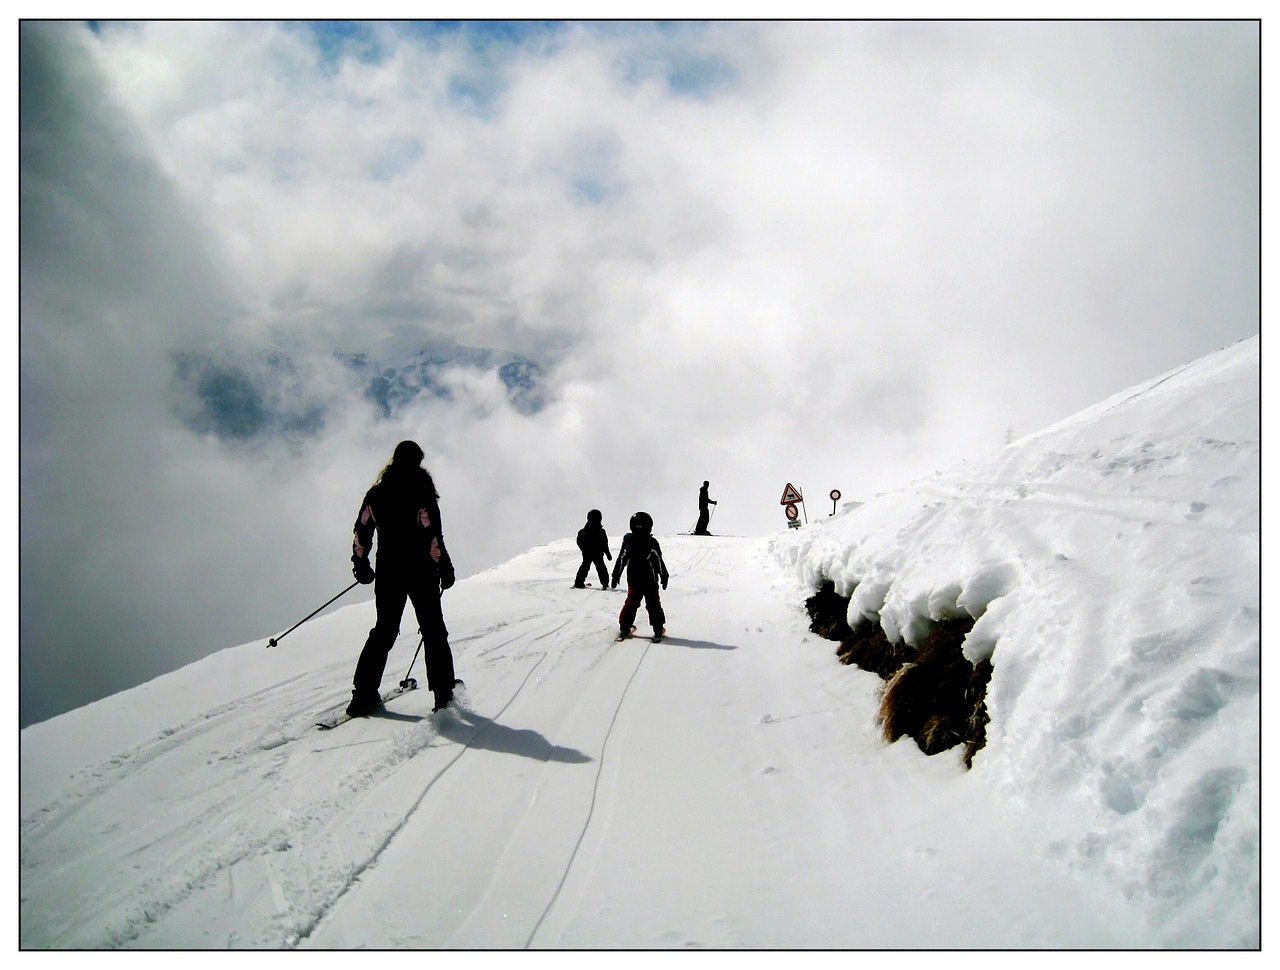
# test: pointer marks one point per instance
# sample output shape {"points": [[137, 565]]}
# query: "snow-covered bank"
{"points": [[1112, 564], [729, 787]]}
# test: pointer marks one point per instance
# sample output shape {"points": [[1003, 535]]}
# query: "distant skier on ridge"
{"points": [[704, 514], [594, 543], [403, 508], [641, 556]]}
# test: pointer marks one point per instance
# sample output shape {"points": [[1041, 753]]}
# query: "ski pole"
{"points": [[274, 641], [409, 683]]}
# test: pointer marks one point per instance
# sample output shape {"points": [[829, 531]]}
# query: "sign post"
{"points": [[792, 499], [835, 497]]}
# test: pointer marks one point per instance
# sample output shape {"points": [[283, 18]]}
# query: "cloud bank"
{"points": [[722, 246]]}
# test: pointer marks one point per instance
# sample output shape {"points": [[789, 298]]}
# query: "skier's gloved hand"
{"points": [[447, 577], [362, 570], [664, 584]]}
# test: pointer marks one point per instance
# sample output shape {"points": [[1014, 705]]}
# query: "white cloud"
{"points": [[841, 254]]}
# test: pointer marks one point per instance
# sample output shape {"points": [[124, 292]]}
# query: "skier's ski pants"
{"points": [[704, 517], [631, 606], [390, 590], [588, 560]]}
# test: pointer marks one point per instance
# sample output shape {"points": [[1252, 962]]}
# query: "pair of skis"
{"points": [[656, 638], [406, 685], [410, 683]]}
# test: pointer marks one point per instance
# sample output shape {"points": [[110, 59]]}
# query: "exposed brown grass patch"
{"points": [[976, 699], [932, 694], [938, 733], [929, 698], [868, 648], [828, 612]]}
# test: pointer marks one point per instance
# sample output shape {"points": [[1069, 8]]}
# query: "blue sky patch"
{"points": [[395, 159], [339, 39], [688, 73]]}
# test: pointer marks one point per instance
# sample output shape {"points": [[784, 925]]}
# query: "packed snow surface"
{"points": [[729, 787]]}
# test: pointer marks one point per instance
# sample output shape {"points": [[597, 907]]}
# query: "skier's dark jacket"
{"points": [[404, 510], [594, 541], [641, 556]]}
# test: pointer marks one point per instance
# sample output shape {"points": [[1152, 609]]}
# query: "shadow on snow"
{"points": [[697, 644], [475, 731]]}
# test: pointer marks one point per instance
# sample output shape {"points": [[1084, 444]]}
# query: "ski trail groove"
{"points": [[591, 808], [391, 835]]}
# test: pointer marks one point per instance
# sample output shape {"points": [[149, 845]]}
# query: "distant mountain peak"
{"points": [[273, 391]]}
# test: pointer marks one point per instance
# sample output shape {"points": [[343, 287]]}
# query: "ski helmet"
{"points": [[641, 522], [595, 516]]}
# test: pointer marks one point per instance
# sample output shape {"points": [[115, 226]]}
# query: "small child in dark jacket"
{"points": [[594, 544], [641, 556]]}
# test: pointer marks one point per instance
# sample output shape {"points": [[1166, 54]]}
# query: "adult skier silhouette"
{"points": [[403, 509], [704, 513]]}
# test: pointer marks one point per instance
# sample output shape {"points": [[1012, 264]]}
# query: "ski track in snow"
{"points": [[521, 817], [207, 851], [510, 849], [292, 865], [231, 846]]}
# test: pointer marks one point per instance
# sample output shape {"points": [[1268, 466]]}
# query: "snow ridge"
{"points": [[1112, 566]]}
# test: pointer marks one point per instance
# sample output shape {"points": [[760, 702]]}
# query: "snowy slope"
{"points": [[728, 787], [1112, 562]]}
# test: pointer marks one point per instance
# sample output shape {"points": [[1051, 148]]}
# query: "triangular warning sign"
{"points": [[790, 496]]}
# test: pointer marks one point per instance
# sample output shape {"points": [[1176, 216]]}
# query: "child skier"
{"points": [[642, 557], [594, 543]]}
